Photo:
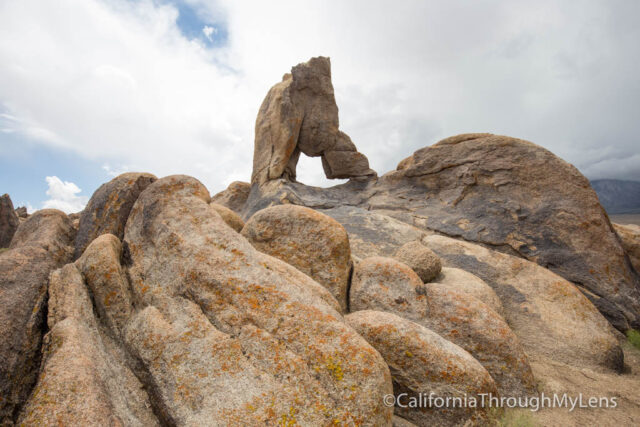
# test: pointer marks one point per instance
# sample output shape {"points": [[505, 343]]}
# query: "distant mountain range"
{"points": [[618, 196]]}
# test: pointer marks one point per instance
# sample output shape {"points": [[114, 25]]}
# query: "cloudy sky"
{"points": [[92, 88]]}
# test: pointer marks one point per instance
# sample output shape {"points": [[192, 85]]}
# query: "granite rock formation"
{"points": [[277, 303], [300, 115], [501, 192]]}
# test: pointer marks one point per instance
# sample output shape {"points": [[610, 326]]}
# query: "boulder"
{"points": [[232, 219], [424, 363], [300, 115], [245, 338], [463, 281], [234, 196], [107, 282], [41, 244], [520, 198], [84, 379], [421, 259], [22, 212], [8, 221], [108, 208], [552, 318], [630, 237], [385, 284], [312, 242]]}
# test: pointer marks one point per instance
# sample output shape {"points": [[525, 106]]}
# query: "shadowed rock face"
{"points": [[8, 221], [502, 192], [300, 115]]}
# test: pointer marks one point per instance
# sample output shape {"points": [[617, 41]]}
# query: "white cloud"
{"points": [[209, 32], [63, 195], [132, 90]]}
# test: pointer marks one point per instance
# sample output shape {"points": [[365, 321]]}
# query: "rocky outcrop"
{"points": [[42, 243], [630, 237], [234, 196], [300, 115], [421, 363], [549, 315], [245, 337], [232, 219], [506, 193], [385, 284], [565, 328], [518, 197], [314, 243], [8, 221], [176, 312], [421, 259], [108, 208], [185, 323]]}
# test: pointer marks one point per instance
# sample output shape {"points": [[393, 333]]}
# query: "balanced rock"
{"points": [[232, 219], [385, 284], [108, 208], [312, 242], [550, 316], [41, 244], [463, 281], [421, 259], [630, 238], [300, 115], [246, 338], [421, 363], [234, 196], [8, 221]]}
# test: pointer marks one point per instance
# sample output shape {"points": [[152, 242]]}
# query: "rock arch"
{"points": [[300, 115]]}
